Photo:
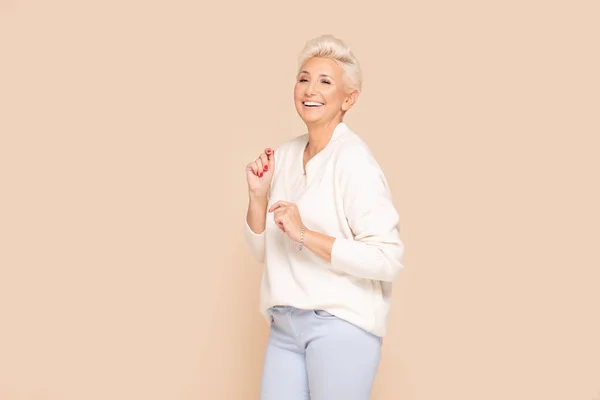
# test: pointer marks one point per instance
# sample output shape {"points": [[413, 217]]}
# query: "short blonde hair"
{"points": [[328, 46]]}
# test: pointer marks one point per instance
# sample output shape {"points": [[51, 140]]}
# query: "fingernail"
{"points": [[266, 167], [260, 175], [269, 151]]}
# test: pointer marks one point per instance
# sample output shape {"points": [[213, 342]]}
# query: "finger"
{"points": [[265, 162], [278, 219], [281, 227], [279, 224], [283, 203], [279, 214], [269, 152], [271, 157], [276, 205], [253, 167], [256, 168], [259, 167]]}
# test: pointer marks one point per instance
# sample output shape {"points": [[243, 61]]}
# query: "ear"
{"points": [[350, 100]]}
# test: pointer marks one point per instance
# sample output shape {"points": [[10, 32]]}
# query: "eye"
{"points": [[303, 80], [326, 82]]}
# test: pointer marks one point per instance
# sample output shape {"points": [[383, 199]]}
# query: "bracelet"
{"points": [[301, 238]]}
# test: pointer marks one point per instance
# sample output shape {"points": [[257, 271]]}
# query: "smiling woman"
{"points": [[328, 82], [321, 218]]}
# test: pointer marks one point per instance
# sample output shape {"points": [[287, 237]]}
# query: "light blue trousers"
{"points": [[314, 355]]}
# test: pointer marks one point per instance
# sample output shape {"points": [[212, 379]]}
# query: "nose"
{"points": [[310, 89]]}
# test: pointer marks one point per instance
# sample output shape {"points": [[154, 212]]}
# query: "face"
{"points": [[320, 93]]}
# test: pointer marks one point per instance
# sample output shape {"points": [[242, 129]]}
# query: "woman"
{"points": [[320, 217]]}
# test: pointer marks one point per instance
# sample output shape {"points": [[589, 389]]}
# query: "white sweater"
{"points": [[344, 194]]}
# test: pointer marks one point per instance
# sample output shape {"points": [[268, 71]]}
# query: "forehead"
{"points": [[320, 65]]}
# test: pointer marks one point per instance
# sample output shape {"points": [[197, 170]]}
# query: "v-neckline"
{"points": [[304, 166], [304, 152]]}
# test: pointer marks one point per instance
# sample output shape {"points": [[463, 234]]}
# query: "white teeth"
{"points": [[312, 103]]}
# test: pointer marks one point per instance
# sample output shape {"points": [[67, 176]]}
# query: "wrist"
{"points": [[258, 198], [302, 239]]}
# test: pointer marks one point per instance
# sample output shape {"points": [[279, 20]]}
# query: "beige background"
{"points": [[125, 127]]}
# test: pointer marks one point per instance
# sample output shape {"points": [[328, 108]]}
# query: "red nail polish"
{"points": [[269, 151], [266, 167], [260, 175]]}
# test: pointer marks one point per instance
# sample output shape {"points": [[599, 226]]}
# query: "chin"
{"points": [[309, 116], [309, 119]]}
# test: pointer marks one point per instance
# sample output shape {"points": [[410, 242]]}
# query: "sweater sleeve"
{"points": [[256, 242], [376, 251]]}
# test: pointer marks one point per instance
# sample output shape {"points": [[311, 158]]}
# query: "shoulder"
{"points": [[357, 169], [291, 144], [354, 153], [286, 151]]}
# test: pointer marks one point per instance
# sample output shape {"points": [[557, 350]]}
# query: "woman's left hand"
{"points": [[287, 218]]}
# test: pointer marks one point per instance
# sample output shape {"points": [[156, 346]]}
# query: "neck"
{"points": [[320, 135]]}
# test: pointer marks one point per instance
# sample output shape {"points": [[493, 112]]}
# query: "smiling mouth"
{"points": [[312, 104]]}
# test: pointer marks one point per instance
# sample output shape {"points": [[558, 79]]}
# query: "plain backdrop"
{"points": [[125, 128]]}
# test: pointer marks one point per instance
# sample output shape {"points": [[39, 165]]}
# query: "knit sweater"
{"points": [[344, 194]]}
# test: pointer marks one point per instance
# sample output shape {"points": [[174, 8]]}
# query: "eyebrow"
{"points": [[325, 75]]}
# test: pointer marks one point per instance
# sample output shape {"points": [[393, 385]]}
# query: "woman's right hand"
{"points": [[259, 173]]}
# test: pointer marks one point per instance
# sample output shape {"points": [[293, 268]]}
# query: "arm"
{"points": [[259, 174], [376, 251], [255, 226], [257, 213], [319, 243]]}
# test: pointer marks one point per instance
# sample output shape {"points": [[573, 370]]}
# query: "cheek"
{"points": [[334, 96], [297, 92]]}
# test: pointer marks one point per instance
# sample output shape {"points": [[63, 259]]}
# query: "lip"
{"points": [[320, 104]]}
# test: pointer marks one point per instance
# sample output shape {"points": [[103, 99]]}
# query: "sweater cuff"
{"points": [[256, 242], [364, 261]]}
